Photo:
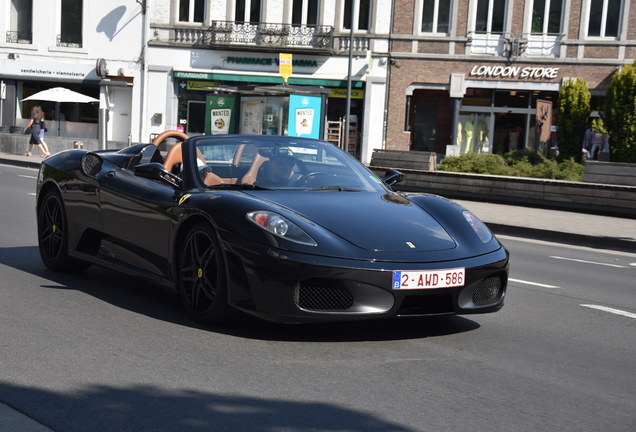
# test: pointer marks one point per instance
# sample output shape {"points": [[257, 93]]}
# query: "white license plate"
{"points": [[431, 279]]}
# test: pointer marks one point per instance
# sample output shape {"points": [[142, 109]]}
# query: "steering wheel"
{"points": [[169, 134], [310, 177]]}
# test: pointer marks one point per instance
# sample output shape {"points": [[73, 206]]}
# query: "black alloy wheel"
{"points": [[53, 235], [202, 280]]}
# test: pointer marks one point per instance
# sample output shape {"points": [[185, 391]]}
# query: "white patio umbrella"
{"points": [[60, 95]]}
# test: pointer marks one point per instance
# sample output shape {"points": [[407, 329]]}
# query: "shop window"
{"points": [[20, 26], [604, 18], [544, 95], [435, 16], [490, 16], [477, 97], [546, 16], [512, 99], [247, 11], [192, 11], [361, 17], [473, 133], [305, 12], [71, 24]]}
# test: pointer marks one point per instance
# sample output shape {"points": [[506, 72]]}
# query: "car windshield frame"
{"points": [[281, 163]]}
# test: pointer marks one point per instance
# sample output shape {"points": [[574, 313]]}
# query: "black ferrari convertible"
{"points": [[287, 229]]}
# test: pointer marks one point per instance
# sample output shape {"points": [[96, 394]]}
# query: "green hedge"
{"points": [[520, 163]]}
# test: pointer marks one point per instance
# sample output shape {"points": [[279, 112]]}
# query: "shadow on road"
{"points": [[151, 408], [144, 298]]}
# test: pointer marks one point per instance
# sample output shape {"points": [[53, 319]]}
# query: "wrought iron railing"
{"points": [[19, 37], [224, 33], [73, 41]]}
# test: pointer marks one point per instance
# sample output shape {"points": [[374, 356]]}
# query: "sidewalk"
{"points": [[604, 232]]}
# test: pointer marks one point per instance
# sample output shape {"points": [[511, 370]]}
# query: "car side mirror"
{"points": [[156, 171], [392, 177]]}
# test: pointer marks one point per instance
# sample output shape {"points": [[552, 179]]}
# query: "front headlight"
{"points": [[484, 233], [281, 227]]}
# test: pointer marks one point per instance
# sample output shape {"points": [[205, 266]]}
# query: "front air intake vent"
{"points": [[488, 291], [323, 295]]}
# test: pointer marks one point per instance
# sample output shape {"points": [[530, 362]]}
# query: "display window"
{"points": [[208, 107], [473, 133]]}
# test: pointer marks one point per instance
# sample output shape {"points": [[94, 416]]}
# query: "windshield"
{"points": [[280, 163]]}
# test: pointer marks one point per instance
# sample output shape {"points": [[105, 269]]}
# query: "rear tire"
{"points": [[53, 235], [202, 280]]}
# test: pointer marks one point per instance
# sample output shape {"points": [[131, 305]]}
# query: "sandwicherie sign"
{"points": [[514, 72]]}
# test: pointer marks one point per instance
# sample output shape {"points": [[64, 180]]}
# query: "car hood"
{"points": [[369, 220]]}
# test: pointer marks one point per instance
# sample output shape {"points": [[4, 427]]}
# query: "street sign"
{"points": [[285, 65]]}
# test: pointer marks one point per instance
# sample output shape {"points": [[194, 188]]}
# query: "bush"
{"points": [[620, 115], [519, 163], [574, 110]]}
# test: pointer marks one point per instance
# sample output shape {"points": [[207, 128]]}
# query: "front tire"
{"points": [[53, 235], [202, 280]]}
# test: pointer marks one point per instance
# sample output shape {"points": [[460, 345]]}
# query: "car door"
{"points": [[136, 217]]}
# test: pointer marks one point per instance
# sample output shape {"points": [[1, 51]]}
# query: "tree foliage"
{"points": [[620, 115], [573, 114]]}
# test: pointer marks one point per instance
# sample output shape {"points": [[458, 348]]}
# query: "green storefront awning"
{"points": [[267, 79]]}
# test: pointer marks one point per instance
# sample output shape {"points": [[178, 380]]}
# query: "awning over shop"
{"points": [[270, 79]]}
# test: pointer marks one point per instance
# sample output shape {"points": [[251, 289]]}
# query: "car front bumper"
{"points": [[290, 287]]}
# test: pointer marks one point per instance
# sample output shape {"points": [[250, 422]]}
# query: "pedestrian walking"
{"points": [[38, 127]]}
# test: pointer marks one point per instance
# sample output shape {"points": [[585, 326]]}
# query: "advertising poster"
{"points": [[251, 117], [544, 119], [304, 116], [219, 115]]}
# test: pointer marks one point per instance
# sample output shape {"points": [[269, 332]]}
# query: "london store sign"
{"points": [[514, 72]]}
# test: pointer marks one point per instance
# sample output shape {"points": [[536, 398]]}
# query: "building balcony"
{"points": [[19, 37], [73, 41], [263, 37]]}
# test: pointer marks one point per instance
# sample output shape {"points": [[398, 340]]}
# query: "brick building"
{"points": [[469, 73]]}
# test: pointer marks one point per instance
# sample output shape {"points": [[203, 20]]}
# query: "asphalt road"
{"points": [[101, 352]]}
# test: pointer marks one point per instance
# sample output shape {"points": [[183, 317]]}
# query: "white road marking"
{"points": [[588, 262], [610, 310], [26, 176], [32, 193], [567, 246], [532, 283], [633, 264]]}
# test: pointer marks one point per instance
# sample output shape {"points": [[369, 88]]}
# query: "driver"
{"points": [[278, 171]]}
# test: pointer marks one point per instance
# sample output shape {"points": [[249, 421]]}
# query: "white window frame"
{"points": [[305, 12], [191, 9], [546, 17], [248, 8], [586, 20], [543, 44], [419, 11], [356, 16], [487, 43]]}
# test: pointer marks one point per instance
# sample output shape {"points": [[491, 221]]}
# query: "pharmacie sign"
{"points": [[266, 61], [514, 72]]}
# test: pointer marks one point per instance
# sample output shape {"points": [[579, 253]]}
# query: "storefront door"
{"points": [[424, 126]]}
